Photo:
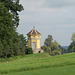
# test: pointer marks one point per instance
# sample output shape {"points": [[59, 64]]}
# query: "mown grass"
{"points": [[66, 70], [37, 61]]}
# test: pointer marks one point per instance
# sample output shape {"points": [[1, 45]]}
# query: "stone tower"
{"points": [[34, 40]]}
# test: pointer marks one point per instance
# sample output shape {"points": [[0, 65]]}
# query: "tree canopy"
{"points": [[50, 46], [48, 40], [11, 43], [13, 7]]}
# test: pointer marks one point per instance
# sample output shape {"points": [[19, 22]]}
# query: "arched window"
{"points": [[34, 45]]}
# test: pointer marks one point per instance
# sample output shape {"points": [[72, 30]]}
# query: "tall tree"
{"points": [[11, 43], [7, 29], [73, 37]]}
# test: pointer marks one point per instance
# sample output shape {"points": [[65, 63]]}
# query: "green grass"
{"points": [[37, 62], [67, 70]]}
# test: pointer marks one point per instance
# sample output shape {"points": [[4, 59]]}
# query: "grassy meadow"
{"points": [[42, 64], [67, 70]]}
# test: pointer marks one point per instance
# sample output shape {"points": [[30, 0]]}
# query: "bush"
{"points": [[28, 51], [53, 53]]}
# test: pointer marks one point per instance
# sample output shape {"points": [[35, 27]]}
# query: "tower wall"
{"points": [[34, 39]]}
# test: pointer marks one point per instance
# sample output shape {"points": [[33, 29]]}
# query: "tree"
{"points": [[48, 40], [29, 51], [53, 53], [6, 25], [23, 40], [19, 44], [54, 45], [1, 49], [51, 47], [13, 7], [63, 50], [11, 43], [73, 37], [71, 47], [46, 49]]}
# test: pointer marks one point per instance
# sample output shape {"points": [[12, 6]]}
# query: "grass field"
{"points": [[41, 64], [67, 70]]}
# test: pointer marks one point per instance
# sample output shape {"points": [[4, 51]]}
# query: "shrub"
{"points": [[28, 51]]}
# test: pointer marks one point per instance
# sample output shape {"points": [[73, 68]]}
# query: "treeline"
{"points": [[11, 43], [54, 48]]}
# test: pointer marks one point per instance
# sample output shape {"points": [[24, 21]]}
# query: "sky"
{"points": [[50, 17]]}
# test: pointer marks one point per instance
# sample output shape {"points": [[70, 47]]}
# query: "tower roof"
{"points": [[34, 32]]}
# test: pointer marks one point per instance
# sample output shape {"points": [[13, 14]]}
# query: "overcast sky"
{"points": [[50, 17]]}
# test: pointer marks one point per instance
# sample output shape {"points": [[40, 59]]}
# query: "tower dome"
{"points": [[34, 32]]}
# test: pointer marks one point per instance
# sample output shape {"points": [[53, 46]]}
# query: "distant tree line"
{"points": [[11, 43], [53, 48]]}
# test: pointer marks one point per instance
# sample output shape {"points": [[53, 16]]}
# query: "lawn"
{"points": [[41, 64], [67, 70]]}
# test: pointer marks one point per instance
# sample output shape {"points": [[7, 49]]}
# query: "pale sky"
{"points": [[50, 17]]}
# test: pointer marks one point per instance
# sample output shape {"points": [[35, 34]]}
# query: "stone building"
{"points": [[34, 40]]}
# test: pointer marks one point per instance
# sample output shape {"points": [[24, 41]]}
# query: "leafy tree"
{"points": [[54, 45], [23, 40], [11, 43], [19, 44], [51, 47], [46, 49], [53, 53], [13, 7], [73, 37], [48, 40], [71, 47], [6, 25], [63, 50], [1, 49]]}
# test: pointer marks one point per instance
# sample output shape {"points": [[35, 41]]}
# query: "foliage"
{"points": [[71, 47], [73, 37], [63, 50], [13, 7], [6, 25], [54, 52], [11, 43], [28, 51], [46, 49], [19, 44], [48, 40], [51, 47]]}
